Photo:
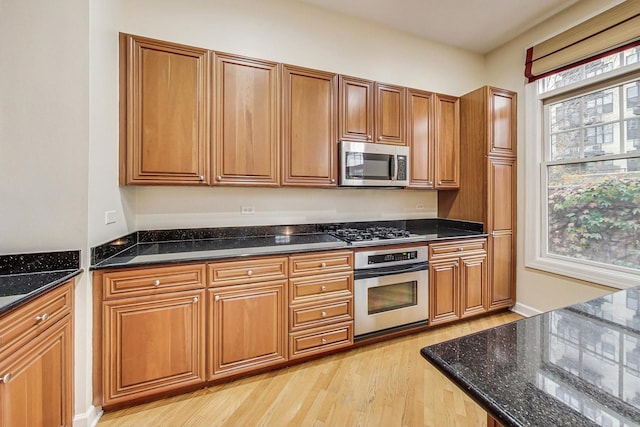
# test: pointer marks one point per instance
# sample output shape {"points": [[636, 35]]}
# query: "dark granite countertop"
{"points": [[183, 245], [24, 277], [576, 366]]}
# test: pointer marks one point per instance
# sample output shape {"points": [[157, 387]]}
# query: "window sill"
{"points": [[587, 273]]}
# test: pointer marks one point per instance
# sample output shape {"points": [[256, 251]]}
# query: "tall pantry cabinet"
{"points": [[487, 190]]}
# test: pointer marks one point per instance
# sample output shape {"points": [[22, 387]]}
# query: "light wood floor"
{"points": [[386, 384]]}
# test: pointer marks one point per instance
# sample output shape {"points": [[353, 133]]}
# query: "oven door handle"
{"points": [[386, 271]]}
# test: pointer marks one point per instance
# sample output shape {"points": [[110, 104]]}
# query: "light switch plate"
{"points": [[110, 217]]}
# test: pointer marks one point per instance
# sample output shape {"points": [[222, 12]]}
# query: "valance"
{"points": [[614, 30]]}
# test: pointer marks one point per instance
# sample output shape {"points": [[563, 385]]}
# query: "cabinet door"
{"points": [[502, 122], [444, 291], [473, 285], [310, 127], [152, 344], [165, 137], [420, 138], [447, 142], [502, 270], [38, 385], [501, 194], [356, 109], [246, 121], [390, 114], [247, 327]]}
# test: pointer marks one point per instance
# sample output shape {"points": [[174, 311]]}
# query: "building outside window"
{"points": [[588, 202]]}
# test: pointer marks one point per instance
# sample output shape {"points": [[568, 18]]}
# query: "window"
{"points": [[588, 141]]}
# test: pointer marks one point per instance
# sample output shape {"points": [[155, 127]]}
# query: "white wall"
{"points": [[296, 33], [505, 68], [44, 126], [44, 145]]}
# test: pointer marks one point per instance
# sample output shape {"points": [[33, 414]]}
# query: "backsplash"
{"points": [[187, 207]]}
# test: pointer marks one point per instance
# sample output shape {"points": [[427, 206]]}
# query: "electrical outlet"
{"points": [[110, 217], [247, 210], [419, 207]]}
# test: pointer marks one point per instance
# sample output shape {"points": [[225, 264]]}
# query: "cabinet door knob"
{"points": [[156, 282], [42, 318], [219, 178], [333, 180], [5, 379], [323, 265], [323, 314], [216, 297], [324, 341], [368, 136], [195, 299], [323, 288], [201, 178], [249, 272], [379, 138]]}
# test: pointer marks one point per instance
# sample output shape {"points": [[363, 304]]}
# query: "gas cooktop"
{"points": [[372, 236]]}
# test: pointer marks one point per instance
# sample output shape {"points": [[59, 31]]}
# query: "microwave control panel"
{"points": [[402, 168]]}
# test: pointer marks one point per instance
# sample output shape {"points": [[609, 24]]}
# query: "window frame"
{"points": [[535, 176]]}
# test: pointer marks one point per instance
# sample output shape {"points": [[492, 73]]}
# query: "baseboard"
{"points": [[89, 418], [525, 310]]}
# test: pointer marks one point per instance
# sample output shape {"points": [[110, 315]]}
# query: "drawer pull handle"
{"points": [[43, 318], [324, 341], [323, 313], [250, 273], [156, 283], [323, 265], [195, 299], [5, 379], [216, 298], [323, 288]]}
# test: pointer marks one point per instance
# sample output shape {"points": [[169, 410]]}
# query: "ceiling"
{"points": [[476, 25]]}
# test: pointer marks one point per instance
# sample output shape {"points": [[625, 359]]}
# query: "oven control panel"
{"points": [[390, 257], [393, 257]]}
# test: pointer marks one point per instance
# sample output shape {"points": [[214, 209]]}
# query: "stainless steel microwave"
{"points": [[366, 164]]}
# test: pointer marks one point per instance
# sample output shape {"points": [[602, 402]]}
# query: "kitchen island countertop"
{"points": [[575, 366]]}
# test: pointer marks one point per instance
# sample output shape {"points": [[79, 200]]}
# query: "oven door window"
{"points": [[368, 166], [392, 297]]}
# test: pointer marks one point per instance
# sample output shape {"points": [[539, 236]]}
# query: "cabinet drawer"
{"points": [[147, 281], [455, 249], [249, 271], [36, 316], [318, 287], [319, 340], [313, 315], [320, 263]]}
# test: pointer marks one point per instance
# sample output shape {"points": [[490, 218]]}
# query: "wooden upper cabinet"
{"points": [[390, 114], [502, 122], [356, 109], [164, 112], [420, 138], [310, 127], [246, 121], [447, 142]]}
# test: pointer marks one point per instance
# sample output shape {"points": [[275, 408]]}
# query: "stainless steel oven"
{"points": [[390, 289]]}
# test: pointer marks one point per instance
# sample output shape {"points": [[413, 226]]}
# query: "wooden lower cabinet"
{"points": [[153, 344], [247, 327], [458, 280], [36, 370], [502, 290]]}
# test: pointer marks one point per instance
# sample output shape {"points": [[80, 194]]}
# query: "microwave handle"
{"points": [[392, 167]]}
